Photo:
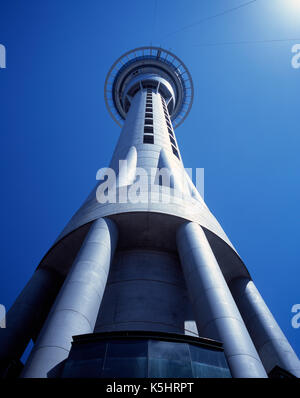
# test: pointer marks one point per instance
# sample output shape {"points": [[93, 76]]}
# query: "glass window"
{"points": [[175, 151], [89, 350], [148, 139], [170, 132], [127, 358], [209, 356], [203, 370], [208, 362], [148, 129], [169, 350], [172, 140], [91, 368], [144, 357], [127, 348], [167, 368], [125, 367], [169, 359]]}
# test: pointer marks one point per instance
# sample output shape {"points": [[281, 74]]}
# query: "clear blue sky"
{"points": [[243, 127]]}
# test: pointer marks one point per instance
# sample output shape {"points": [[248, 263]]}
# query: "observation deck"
{"points": [[149, 67]]}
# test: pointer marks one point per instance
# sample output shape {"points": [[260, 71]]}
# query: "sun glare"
{"points": [[286, 13], [292, 5]]}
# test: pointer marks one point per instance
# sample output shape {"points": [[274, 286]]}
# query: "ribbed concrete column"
{"points": [[76, 307], [216, 313], [27, 313], [270, 342]]}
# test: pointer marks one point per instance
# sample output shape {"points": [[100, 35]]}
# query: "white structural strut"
{"points": [[216, 313], [28, 313], [270, 342], [76, 307]]}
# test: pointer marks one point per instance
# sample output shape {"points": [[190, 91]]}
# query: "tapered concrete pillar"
{"points": [[271, 344], [27, 314], [76, 307], [216, 313]]}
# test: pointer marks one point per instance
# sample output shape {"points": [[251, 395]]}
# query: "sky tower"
{"points": [[143, 281]]}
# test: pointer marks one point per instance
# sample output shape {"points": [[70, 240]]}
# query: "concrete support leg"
{"points": [[216, 313], [27, 314], [76, 307], [270, 342]]}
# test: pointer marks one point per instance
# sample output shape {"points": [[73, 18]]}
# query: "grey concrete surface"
{"points": [[216, 313], [76, 307], [271, 344]]}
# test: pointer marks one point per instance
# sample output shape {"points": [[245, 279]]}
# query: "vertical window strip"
{"points": [[148, 137]]}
